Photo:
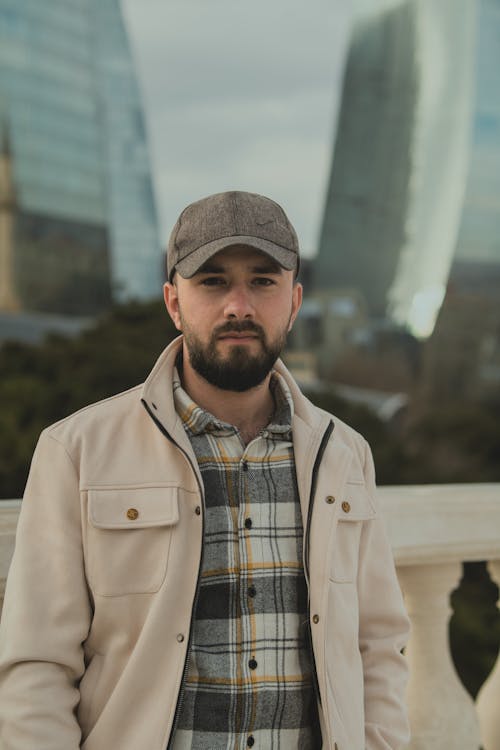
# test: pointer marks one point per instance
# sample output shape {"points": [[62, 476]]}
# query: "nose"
{"points": [[238, 303]]}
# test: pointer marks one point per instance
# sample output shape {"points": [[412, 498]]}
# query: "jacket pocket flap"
{"points": [[133, 507], [358, 505]]}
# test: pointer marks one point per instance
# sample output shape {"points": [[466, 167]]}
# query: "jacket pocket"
{"points": [[129, 536], [356, 508]]}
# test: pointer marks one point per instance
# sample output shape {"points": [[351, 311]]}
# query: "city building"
{"points": [[398, 175], [363, 226], [461, 361], [462, 357], [78, 215], [479, 234]]}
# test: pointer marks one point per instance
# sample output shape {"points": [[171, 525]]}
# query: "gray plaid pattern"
{"points": [[249, 680]]}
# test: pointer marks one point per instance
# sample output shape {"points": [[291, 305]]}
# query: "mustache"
{"points": [[242, 327]]}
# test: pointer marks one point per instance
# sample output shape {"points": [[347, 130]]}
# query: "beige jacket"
{"points": [[97, 615]]}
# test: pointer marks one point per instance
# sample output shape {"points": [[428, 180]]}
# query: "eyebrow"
{"points": [[265, 268]]}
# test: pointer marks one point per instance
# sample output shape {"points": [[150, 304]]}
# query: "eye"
{"points": [[264, 281], [212, 281]]}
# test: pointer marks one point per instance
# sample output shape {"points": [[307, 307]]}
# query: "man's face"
{"points": [[235, 314]]}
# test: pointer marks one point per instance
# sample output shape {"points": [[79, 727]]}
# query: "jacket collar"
{"points": [[157, 393], [309, 423]]}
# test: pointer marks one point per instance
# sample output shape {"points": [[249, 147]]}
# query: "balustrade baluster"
{"points": [[488, 699], [442, 713]]}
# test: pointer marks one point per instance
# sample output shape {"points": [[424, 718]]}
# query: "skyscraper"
{"points": [[479, 234], [363, 226], [399, 168], [84, 225], [463, 354]]}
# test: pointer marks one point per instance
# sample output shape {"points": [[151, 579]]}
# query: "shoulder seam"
{"points": [[94, 404], [70, 457]]}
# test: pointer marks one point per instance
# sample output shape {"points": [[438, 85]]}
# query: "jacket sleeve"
{"points": [[46, 614], [383, 632]]}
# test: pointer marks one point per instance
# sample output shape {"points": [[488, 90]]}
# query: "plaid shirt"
{"points": [[249, 679]]}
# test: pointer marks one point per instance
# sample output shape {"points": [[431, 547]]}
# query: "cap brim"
{"points": [[188, 266]]}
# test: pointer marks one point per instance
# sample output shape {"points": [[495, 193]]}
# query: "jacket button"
{"points": [[252, 664], [330, 499], [132, 514], [315, 619], [180, 637], [346, 506], [197, 510], [250, 741]]}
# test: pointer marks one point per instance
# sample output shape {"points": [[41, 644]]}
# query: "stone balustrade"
{"points": [[433, 529]]}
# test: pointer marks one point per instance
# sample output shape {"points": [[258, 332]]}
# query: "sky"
{"points": [[241, 96]]}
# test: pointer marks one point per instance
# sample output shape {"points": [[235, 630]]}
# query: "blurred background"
{"points": [[375, 124]]}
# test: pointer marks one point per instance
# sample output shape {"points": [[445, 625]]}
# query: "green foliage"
{"points": [[41, 384]]}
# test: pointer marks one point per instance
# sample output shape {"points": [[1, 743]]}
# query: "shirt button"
{"points": [[197, 510], [346, 506], [180, 637], [248, 523], [252, 664], [252, 591], [250, 741], [244, 465], [330, 499], [132, 514], [315, 619]]}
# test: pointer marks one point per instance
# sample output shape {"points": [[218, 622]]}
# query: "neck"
{"points": [[249, 411]]}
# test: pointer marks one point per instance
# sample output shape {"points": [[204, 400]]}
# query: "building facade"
{"points": [[398, 175], [363, 226], [84, 226]]}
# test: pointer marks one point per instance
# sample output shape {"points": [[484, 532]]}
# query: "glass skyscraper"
{"points": [[479, 235], [85, 228], [398, 176], [363, 226]]}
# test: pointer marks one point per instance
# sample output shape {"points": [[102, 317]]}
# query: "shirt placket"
{"points": [[247, 521]]}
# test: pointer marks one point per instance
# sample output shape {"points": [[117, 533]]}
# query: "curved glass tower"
{"points": [[394, 202], [85, 228]]}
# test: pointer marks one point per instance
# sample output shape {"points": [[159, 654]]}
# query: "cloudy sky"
{"points": [[241, 96]]}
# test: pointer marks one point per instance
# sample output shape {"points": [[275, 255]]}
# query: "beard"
{"points": [[239, 370]]}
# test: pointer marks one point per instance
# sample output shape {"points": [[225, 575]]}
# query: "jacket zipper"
{"points": [[180, 695], [314, 482]]}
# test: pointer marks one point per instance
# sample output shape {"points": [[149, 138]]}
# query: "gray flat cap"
{"points": [[227, 219]]}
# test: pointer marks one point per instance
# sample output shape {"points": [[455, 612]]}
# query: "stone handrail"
{"points": [[433, 529]]}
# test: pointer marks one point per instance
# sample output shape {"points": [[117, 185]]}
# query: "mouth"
{"points": [[238, 337]]}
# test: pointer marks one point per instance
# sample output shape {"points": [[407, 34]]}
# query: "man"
{"points": [[201, 561]]}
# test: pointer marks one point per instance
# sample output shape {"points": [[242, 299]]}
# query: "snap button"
{"points": [[132, 514], [315, 619], [330, 499], [180, 637], [197, 510], [346, 506]]}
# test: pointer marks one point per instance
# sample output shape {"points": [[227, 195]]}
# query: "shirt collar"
{"points": [[197, 420]]}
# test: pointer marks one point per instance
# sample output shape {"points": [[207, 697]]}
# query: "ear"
{"points": [[171, 297], [296, 303]]}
